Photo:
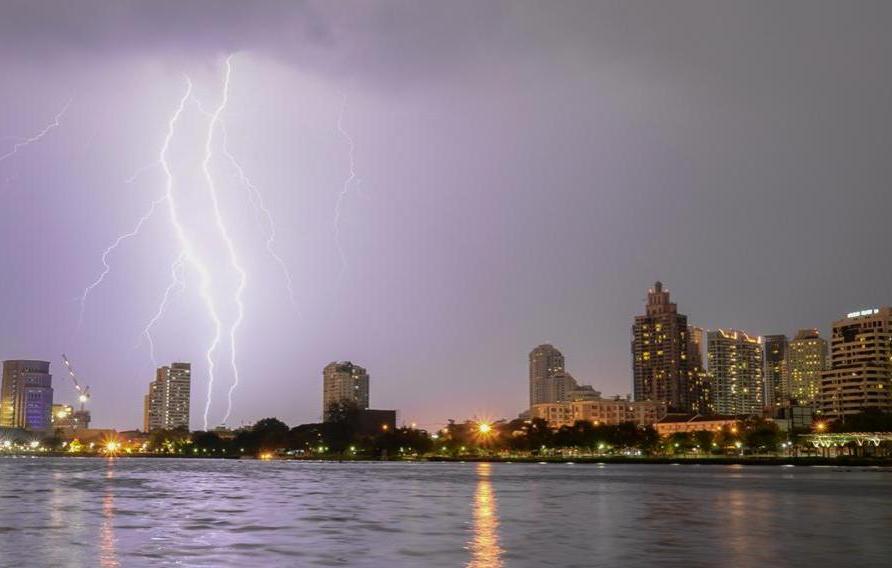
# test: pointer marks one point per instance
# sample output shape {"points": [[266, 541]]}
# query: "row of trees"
{"points": [[341, 436]]}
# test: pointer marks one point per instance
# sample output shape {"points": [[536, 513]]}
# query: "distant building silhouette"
{"points": [[26, 395], [736, 362], [860, 374], [167, 403], [660, 369], [344, 382]]}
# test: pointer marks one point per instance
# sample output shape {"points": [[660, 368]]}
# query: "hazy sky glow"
{"points": [[525, 170]]}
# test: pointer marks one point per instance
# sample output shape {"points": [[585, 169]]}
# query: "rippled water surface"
{"points": [[171, 512]]}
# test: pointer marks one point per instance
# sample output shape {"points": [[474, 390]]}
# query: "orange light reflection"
{"points": [[485, 549]]}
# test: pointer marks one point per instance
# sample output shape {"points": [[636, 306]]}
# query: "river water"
{"points": [[63, 512]]}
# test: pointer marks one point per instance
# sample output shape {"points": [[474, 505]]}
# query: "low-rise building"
{"points": [[371, 421], [65, 417], [608, 411], [675, 423]]}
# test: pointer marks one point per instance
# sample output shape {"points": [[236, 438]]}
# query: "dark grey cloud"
{"points": [[389, 40]]}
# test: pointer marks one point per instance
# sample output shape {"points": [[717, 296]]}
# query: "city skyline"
{"points": [[547, 365], [514, 175]]}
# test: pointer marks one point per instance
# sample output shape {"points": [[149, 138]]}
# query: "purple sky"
{"points": [[526, 170]]}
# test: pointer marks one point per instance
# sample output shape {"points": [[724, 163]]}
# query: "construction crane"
{"points": [[83, 392]]}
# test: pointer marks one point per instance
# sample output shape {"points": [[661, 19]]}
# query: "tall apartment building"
{"points": [[736, 366], [546, 362], [860, 373], [805, 364], [167, 402], [344, 382], [26, 395], [659, 352], [777, 388], [551, 383]]}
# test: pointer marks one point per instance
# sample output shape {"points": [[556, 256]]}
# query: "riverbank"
{"points": [[842, 461]]}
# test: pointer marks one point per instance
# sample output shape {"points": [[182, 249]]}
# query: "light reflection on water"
{"points": [[107, 555], [57, 512], [485, 549]]}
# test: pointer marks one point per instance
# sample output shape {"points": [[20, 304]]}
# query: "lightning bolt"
{"points": [[257, 202], [140, 171], [111, 248], [187, 251], [227, 239], [351, 177], [256, 199], [57, 121], [188, 254], [177, 284]]}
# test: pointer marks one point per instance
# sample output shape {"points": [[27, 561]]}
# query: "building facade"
{"points": [[167, 403], [685, 423], [608, 411], [660, 370], [26, 395], [551, 383], [344, 382], [805, 364], [777, 388], [65, 417], [860, 373], [700, 394], [546, 363], [736, 362]]}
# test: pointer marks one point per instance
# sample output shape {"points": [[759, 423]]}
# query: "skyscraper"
{"points": [[546, 362], [735, 365], [167, 402], [777, 387], [344, 382], [860, 374], [659, 352], [26, 396], [806, 361]]}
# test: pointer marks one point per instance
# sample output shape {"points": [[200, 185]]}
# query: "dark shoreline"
{"points": [[844, 461]]}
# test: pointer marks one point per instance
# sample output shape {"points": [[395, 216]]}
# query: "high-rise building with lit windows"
{"points": [[806, 361], [26, 395], [344, 382], [166, 406], [660, 367], [860, 373], [736, 365], [777, 389]]}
